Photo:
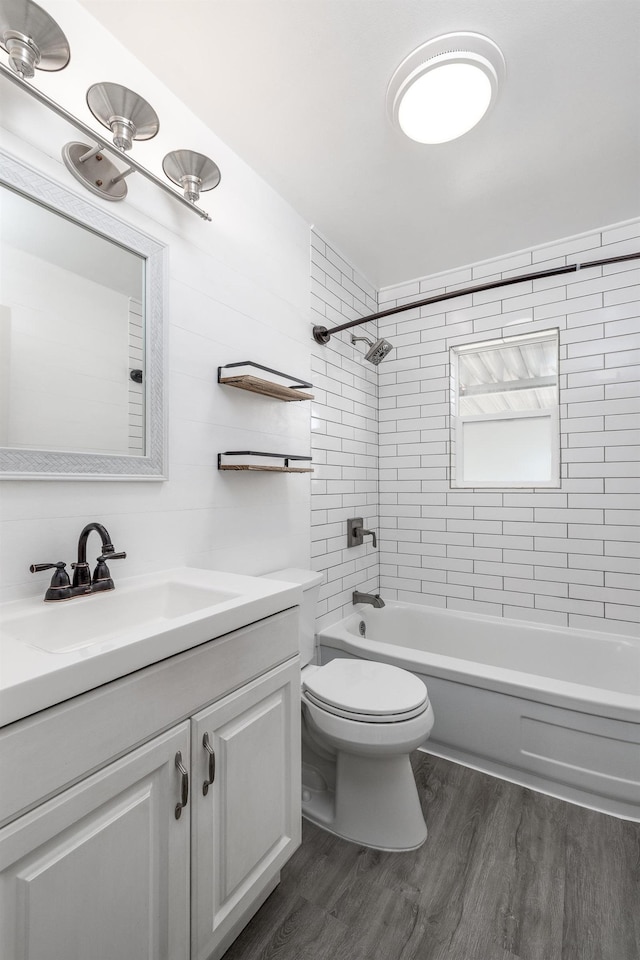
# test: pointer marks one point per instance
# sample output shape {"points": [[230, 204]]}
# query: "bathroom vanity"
{"points": [[149, 816]]}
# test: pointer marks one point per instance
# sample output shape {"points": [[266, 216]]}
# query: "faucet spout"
{"points": [[373, 598], [82, 580], [107, 546]]}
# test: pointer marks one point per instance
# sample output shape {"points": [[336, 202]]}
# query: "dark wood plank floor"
{"points": [[505, 874]]}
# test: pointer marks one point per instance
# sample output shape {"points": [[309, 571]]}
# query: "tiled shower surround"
{"points": [[567, 556], [344, 433]]}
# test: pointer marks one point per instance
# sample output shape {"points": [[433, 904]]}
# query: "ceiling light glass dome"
{"points": [[445, 87]]}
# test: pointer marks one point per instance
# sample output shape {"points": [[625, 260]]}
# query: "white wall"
{"points": [[344, 433], [567, 556], [238, 289]]}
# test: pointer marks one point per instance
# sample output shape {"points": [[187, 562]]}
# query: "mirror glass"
{"points": [[504, 416], [81, 336], [71, 333]]}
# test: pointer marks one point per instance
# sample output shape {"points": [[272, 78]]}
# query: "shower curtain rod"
{"points": [[322, 335]]}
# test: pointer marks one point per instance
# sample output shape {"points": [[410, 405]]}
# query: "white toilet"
{"points": [[360, 721]]}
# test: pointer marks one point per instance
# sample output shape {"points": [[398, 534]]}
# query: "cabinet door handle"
{"points": [[212, 764], [184, 777]]}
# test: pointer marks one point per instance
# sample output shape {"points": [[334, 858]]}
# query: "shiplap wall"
{"points": [[236, 289], [566, 556], [344, 433]]}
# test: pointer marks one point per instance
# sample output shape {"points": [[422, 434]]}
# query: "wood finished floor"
{"points": [[505, 874]]}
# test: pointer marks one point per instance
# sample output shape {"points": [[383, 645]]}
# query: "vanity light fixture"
{"points": [[445, 87], [192, 171], [32, 38], [129, 117], [34, 41]]}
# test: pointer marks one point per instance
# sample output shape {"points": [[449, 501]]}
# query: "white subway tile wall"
{"points": [[344, 434], [567, 557]]}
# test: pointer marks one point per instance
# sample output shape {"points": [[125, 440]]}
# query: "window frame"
{"points": [[457, 422]]}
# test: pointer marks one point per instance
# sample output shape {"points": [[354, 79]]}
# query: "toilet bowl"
{"points": [[360, 721]]}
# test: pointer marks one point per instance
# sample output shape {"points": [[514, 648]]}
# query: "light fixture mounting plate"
{"points": [[96, 173]]}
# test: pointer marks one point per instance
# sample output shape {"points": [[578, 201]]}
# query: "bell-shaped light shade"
{"points": [[32, 38], [192, 171], [125, 113]]}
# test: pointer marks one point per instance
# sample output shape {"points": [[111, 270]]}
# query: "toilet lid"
{"points": [[364, 688]]}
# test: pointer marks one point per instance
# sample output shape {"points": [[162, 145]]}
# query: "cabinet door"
{"points": [[102, 871], [247, 824]]}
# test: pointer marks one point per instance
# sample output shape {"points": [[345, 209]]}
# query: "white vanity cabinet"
{"points": [[247, 823], [102, 868]]}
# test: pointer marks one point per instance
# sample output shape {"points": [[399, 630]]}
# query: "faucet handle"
{"points": [[60, 587], [37, 567], [101, 579]]}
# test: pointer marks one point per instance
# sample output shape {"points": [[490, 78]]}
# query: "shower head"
{"points": [[377, 351]]}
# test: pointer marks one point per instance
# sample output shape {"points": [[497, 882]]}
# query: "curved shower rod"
{"points": [[322, 335]]}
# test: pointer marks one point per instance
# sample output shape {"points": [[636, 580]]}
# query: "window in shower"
{"points": [[504, 412]]}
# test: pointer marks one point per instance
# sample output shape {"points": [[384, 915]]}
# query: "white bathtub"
{"points": [[552, 708]]}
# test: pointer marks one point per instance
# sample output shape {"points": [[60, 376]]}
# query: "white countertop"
{"points": [[33, 678]]}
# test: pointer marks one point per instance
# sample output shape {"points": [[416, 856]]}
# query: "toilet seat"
{"points": [[365, 690]]}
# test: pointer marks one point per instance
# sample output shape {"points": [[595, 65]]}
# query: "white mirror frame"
{"points": [[25, 464]]}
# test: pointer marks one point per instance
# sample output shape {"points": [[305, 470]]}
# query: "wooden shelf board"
{"points": [[255, 466], [265, 387]]}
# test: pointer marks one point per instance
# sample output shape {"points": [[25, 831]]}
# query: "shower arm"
{"points": [[322, 335]]}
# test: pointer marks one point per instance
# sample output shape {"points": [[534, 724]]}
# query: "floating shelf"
{"points": [[267, 388], [285, 457]]}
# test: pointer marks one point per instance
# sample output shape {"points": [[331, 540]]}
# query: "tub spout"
{"points": [[373, 598]]}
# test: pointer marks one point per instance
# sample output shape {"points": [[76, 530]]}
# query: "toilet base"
{"points": [[375, 803]]}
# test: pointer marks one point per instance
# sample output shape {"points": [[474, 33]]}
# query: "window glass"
{"points": [[504, 406]]}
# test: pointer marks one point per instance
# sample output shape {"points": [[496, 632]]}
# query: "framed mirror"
{"points": [[81, 337]]}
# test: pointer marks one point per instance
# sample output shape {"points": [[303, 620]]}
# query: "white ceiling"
{"points": [[297, 88]]}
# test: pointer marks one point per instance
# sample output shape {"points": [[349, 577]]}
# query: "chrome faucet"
{"points": [[373, 598], [83, 583]]}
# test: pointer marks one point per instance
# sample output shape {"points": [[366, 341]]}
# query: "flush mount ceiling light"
{"points": [[445, 87]]}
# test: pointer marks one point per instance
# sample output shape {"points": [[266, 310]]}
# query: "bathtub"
{"points": [[552, 708]]}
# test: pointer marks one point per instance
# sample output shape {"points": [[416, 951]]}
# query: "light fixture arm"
{"points": [[104, 145]]}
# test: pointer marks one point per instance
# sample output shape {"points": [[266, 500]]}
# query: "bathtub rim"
{"points": [[559, 693]]}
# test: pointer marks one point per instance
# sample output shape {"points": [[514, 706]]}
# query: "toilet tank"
{"points": [[310, 582]]}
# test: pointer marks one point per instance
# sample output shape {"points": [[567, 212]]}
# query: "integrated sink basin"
{"points": [[104, 617], [56, 650]]}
